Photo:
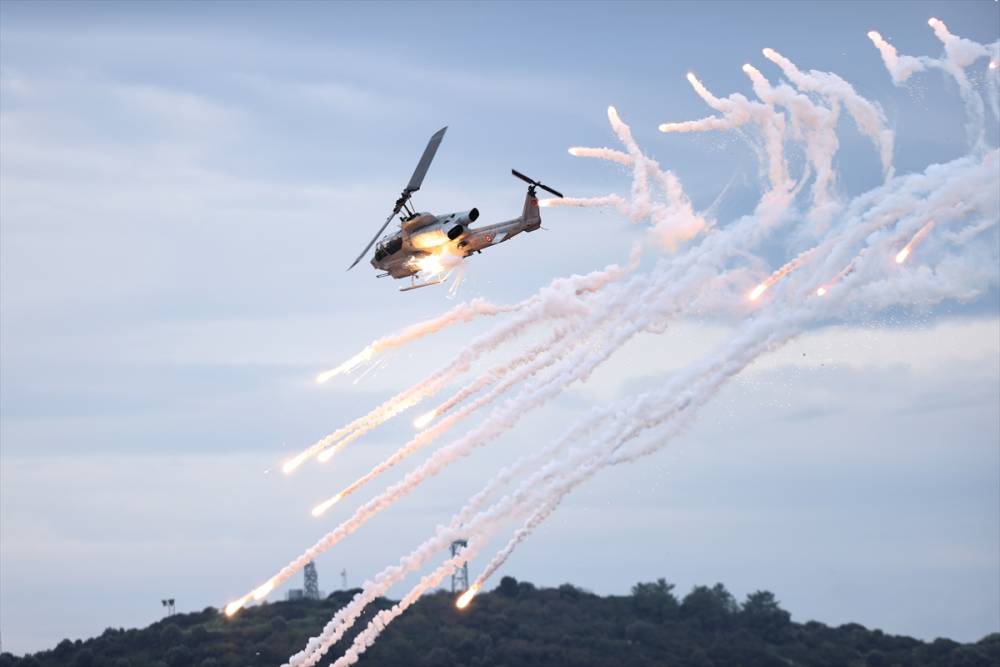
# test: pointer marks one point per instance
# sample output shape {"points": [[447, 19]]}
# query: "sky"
{"points": [[182, 186]]}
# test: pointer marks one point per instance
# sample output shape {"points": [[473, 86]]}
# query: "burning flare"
{"points": [[903, 254], [291, 464], [327, 454], [236, 605], [757, 291], [423, 420], [327, 504], [348, 366], [465, 598], [263, 590]]}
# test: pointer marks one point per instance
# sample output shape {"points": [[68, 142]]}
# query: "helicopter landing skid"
{"points": [[416, 285]]}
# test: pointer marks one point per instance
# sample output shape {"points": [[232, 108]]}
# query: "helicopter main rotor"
{"points": [[415, 182]]}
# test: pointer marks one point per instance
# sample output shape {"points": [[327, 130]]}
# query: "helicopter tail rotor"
{"points": [[532, 183]]}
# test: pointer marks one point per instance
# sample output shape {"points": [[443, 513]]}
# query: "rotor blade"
{"points": [[522, 176], [548, 189], [425, 161], [372, 242], [532, 181]]}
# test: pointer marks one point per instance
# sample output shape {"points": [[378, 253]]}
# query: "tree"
{"points": [[761, 612], [654, 600], [508, 587], [170, 635], [64, 649], [641, 632], [712, 608], [178, 656], [84, 658], [438, 657]]}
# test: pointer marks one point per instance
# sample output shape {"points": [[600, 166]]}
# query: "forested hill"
{"points": [[519, 625]]}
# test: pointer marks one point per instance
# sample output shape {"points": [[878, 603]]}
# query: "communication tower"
{"points": [[311, 589]]}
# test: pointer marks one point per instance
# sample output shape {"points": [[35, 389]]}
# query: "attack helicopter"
{"points": [[425, 243]]}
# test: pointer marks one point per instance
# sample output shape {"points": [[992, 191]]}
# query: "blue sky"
{"points": [[182, 186]]}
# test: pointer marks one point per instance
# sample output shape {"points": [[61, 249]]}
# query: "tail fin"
{"points": [[532, 218]]}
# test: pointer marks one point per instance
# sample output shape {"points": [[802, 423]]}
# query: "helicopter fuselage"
{"points": [[423, 235]]}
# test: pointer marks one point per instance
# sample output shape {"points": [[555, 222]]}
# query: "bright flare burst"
{"points": [[821, 291], [290, 465], [326, 504], [436, 265], [757, 291], [326, 454], [263, 590], [423, 420], [465, 598], [236, 605], [348, 366], [903, 254]]}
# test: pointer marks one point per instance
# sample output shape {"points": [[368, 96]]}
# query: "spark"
{"points": [[994, 63], [326, 504], [757, 291], [424, 419], [821, 291], [465, 598], [903, 254]]}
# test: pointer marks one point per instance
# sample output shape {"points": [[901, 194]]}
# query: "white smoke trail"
{"points": [[867, 115], [737, 111], [965, 285], [900, 67], [562, 298], [815, 125], [959, 54], [673, 217], [529, 367]]}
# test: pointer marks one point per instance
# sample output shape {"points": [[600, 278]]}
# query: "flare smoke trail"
{"points": [[673, 218], [867, 115], [563, 298], [736, 111], [851, 263], [959, 54]]}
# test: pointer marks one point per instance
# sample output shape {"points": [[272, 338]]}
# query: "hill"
{"points": [[518, 624]]}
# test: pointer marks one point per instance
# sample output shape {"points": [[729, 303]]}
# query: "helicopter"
{"points": [[425, 243]]}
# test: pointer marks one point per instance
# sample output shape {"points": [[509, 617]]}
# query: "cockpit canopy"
{"points": [[389, 247]]}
